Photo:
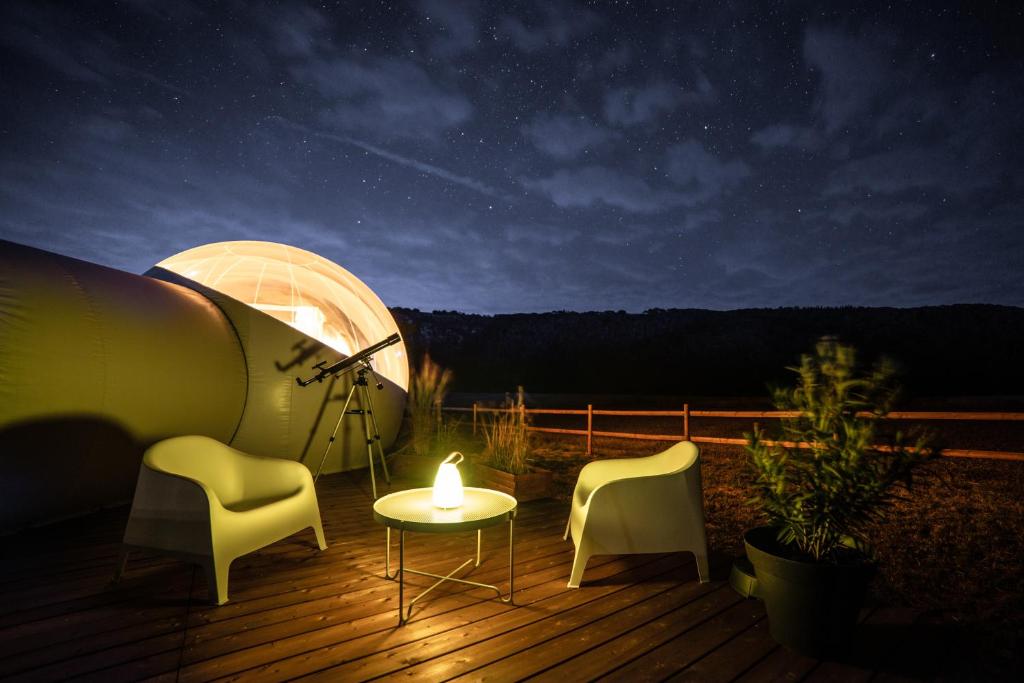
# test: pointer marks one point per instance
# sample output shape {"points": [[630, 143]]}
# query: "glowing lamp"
{"points": [[448, 483]]}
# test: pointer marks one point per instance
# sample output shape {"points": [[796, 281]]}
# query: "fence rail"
{"points": [[686, 413]]}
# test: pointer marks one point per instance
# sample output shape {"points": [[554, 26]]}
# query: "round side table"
{"points": [[414, 510]]}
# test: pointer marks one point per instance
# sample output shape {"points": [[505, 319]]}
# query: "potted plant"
{"points": [[503, 465], [822, 482]]}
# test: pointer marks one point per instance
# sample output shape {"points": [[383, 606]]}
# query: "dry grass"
{"points": [[428, 386], [507, 443]]}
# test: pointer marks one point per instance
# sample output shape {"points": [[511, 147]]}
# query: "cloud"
{"points": [[615, 58], [565, 137], [109, 130], [559, 23], [852, 74], [297, 30], [540, 234], [43, 33], [57, 39], [164, 10], [389, 97], [782, 135], [456, 25], [700, 175], [631, 106], [612, 62], [628, 106], [694, 219], [911, 168], [847, 212], [593, 185]]}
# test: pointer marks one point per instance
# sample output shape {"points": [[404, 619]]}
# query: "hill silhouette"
{"points": [[957, 350]]}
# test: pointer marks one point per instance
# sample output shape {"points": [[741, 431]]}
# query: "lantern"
{"points": [[448, 483]]}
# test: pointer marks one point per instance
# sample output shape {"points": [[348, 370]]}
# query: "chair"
{"points": [[639, 505], [208, 503]]}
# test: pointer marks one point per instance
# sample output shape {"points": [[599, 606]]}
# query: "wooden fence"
{"points": [[686, 413]]}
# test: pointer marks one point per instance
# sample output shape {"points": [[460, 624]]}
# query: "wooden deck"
{"points": [[332, 616]]}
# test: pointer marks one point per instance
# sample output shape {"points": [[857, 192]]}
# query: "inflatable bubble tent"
{"points": [[300, 288], [97, 364]]}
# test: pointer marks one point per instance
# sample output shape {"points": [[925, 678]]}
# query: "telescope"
{"points": [[344, 364]]}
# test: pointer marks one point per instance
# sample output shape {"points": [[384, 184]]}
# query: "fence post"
{"points": [[474, 418], [686, 422], [590, 428]]}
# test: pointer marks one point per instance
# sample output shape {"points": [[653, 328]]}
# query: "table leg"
{"points": [[401, 573], [511, 562]]}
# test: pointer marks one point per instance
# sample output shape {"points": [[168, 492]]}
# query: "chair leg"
{"points": [[702, 566], [568, 523], [217, 579], [122, 562], [318, 529], [579, 563]]}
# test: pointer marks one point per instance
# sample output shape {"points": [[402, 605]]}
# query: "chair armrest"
{"points": [[643, 501], [171, 512], [268, 476], [644, 488], [601, 472]]}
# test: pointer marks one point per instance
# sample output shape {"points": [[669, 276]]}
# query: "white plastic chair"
{"points": [[639, 505], [208, 503]]}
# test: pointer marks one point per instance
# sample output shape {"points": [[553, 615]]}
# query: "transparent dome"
{"points": [[306, 291]]}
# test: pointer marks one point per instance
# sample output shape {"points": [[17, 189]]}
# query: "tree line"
{"points": [[957, 350]]}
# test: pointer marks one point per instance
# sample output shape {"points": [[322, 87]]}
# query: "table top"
{"points": [[414, 510]]}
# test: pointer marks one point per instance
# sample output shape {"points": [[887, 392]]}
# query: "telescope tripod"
{"points": [[360, 384]]}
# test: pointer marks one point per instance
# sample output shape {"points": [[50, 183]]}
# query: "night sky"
{"points": [[533, 156]]}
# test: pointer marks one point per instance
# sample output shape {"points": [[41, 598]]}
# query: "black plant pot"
{"points": [[812, 606]]}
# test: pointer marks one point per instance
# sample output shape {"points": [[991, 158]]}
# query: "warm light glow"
{"points": [[448, 483], [309, 320], [306, 291]]}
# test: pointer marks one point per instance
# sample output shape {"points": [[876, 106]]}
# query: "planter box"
{"points": [[533, 485]]}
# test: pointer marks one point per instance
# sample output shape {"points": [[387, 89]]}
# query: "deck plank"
{"points": [[626, 645], [298, 612], [379, 632], [689, 645], [732, 658], [539, 647], [469, 646]]}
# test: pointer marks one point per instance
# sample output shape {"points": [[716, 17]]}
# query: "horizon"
{"points": [[708, 310], [437, 311], [533, 157]]}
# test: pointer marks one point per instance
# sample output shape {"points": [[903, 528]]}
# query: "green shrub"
{"points": [[824, 497]]}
